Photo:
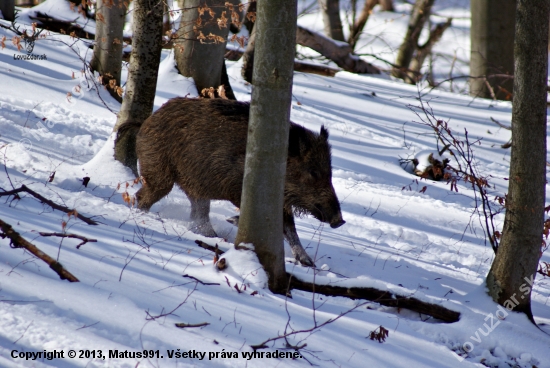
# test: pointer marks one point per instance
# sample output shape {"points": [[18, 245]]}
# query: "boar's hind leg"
{"points": [[200, 217], [291, 236]]}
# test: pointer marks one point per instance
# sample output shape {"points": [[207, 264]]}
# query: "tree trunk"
{"points": [[357, 28], [331, 19], [515, 265], [142, 75], [248, 57], [261, 220], [7, 7], [419, 15], [197, 57], [250, 15], [413, 74], [387, 5], [107, 58], [492, 47]]}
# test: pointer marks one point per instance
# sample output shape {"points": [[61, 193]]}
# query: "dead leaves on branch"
{"points": [[129, 199], [380, 334], [213, 93], [210, 39], [207, 14]]}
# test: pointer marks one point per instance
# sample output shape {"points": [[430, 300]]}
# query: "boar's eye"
{"points": [[314, 174]]}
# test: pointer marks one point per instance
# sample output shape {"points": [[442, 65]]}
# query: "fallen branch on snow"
{"points": [[190, 325], [55, 206], [383, 297], [75, 236], [17, 241], [339, 52]]}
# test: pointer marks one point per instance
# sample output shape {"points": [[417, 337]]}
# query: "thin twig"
{"points": [[75, 236], [191, 325], [209, 247], [199, 281]]}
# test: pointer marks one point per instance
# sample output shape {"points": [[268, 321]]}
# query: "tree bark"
{"points": [[107, 57], [387, 5], [7, 7], [261, 219], [492, 47], [198, 58], [515, 265], [340, 53], [419, 15], [142, 76], [248, 57], [331, 19]]}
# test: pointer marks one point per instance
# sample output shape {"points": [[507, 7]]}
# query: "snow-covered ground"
{"points": [[132, 289]]}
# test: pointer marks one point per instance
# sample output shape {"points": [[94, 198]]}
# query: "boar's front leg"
{"points": [[291, 236], [200, 217]]}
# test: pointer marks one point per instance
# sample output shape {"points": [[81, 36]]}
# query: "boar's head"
{"points": [[308, 187]]}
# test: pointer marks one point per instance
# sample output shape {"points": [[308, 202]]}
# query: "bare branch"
{"points": [[17, 241], [75, 236], [55, 206], [191, 325]]}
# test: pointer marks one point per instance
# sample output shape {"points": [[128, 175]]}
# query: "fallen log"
{"points": [[339, 52], [383, 297], [299, 66], [61, 26]]}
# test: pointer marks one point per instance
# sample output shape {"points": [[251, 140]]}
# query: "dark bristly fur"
{"points": [[200, 145]]}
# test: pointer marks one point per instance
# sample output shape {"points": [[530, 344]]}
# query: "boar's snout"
{"points": [[330, 214], [335, 224]]}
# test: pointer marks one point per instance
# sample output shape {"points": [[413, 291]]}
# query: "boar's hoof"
{"points": [[302, 257], [233, 220], [204, 229]]}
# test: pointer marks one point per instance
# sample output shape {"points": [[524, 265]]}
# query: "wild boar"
{"points": [[200, 145]]}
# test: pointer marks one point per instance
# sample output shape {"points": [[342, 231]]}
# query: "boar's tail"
{"points": [[125, 145], [129, 127]]}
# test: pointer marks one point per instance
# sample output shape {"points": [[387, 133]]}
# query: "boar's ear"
{"points": [[324, 132], [298, 142]]}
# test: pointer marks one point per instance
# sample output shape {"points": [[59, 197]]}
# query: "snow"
{"points": [[141, 276]]}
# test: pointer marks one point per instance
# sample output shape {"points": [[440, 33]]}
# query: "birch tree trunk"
{"points": [[261, 220]]}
